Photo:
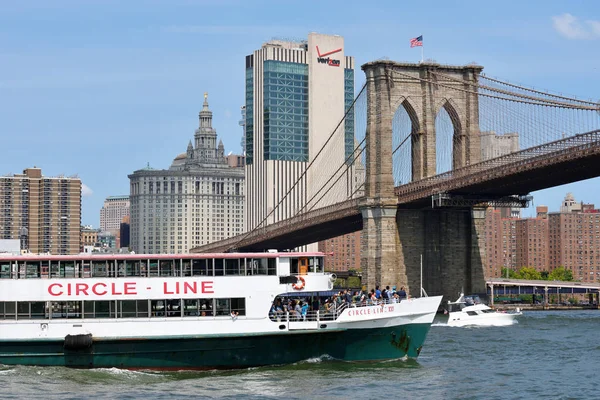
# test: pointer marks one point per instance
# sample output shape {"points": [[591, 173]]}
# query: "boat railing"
{"points": [[326, 315]]}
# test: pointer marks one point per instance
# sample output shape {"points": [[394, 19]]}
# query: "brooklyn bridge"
{"points": [[416, 183]]}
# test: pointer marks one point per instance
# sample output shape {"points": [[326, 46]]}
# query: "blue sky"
{"points": [[99, 88]]}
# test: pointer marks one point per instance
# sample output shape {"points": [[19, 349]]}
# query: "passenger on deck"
{"points": [[304, 310], [402, 293]]}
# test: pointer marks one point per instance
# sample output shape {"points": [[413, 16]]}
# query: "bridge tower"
{"points": [[393, 239]]}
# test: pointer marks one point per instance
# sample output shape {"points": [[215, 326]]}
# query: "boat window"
{"points": [[153, 268], [316, 264], [122, 308], [488, 311], [5, 270], [238, 305], [99, 309], [65, 309], [191, 308], [471, 313], [227, 306], [99, 268], [8, 309], [223, 307], [232, 266], [132, 308], [294, 266], [68, 269], [187, 268], [167, 268], [55, 269], [272, 267], [31, 269], [206, 307], [85, 269], [219, 267], [202, 267], [31, 310]]}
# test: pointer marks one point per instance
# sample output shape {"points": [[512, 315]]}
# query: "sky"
{"points": [[101, 88]]}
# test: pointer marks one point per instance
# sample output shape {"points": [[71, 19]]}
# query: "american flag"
{"points": [[418, 41]]}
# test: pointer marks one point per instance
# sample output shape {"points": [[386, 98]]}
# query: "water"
{"points": [[547, 354]]}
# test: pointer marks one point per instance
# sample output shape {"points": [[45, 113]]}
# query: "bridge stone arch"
{"points": [[423, 89], [404, 107], [454, 111]]}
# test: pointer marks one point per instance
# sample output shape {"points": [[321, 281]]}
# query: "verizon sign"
{"points": [[324, 59]]}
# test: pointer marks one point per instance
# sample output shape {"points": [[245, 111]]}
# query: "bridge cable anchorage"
{"points": [[300, 180]]}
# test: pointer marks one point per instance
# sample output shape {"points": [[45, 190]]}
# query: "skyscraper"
{"points": [[112, 213], [297, 92], [198, 200], [44, 212]]}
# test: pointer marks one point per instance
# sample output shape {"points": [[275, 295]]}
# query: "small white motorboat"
{"points": [[470, 311]]}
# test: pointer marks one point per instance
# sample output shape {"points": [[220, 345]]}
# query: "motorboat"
{"points": [[470, 311]]}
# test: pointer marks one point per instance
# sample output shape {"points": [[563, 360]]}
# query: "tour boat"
{"points": [[469, 311], [193, 311]]}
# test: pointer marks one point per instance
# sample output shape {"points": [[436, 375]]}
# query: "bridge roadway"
{"points": [[556, 163]]}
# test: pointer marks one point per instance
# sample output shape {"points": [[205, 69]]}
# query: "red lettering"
{"points": [[114, 289], [52, 293], [94, 289], [68, 289], [130, 288], [81, 288], [193, 287], [207, 287], [165, 289]]}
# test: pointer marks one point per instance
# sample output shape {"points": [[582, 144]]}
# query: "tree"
{"points": [[528, 273], [508, 271], [561, 274]]}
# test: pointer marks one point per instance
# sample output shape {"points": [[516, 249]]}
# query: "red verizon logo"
{"points": [[329, 61]]}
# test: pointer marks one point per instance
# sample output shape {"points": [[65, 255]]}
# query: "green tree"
{"points": [[561, 274], [510, 272], [528, 273]]}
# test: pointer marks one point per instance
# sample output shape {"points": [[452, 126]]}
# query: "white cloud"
{"points": [[571, 27], [86, 191]]}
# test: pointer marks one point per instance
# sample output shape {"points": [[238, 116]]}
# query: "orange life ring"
{"points": [[299, 285]]}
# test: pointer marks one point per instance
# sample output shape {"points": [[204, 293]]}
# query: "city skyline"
{"points": [[103, 83]]}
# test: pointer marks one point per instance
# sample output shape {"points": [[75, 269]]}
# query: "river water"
{"points": [[547, 354]]}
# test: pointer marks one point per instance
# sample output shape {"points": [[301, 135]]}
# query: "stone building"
{"points": [[113, 211], [198, 200]]}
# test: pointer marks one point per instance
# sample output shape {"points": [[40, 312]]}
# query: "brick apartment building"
{"points": [[569, 238], [43, 212]]}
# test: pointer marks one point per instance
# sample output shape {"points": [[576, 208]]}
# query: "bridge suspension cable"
{"points": [[324, 173], [524, 117]]}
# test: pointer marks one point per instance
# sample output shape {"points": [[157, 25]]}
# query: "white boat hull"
{"points": [[489, 319]]}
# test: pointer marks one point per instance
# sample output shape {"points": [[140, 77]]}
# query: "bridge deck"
{"points": [[552, 164]]}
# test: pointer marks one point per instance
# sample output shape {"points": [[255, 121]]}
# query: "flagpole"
{"points": [[422, 54]]}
